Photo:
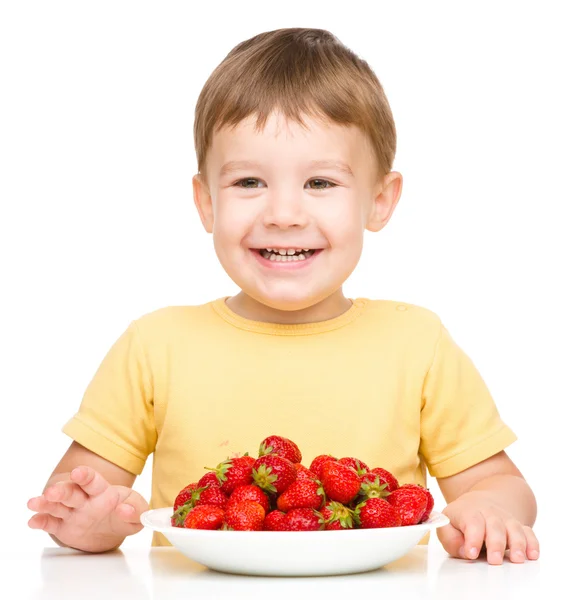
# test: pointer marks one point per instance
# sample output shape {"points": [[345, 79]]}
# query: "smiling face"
{"points": [[308, 193]]}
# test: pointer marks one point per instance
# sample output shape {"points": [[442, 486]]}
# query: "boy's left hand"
{"points": [[475, 520]]}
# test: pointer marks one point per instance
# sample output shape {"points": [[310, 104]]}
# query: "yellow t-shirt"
{"points": [[383, 382]]}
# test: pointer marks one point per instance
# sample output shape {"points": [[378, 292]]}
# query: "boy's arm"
{"points": [[489, 503], [78, 455]]}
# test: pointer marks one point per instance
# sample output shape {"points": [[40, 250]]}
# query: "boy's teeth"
{"points": [[281, 258], [287, 251], [285, 255]]}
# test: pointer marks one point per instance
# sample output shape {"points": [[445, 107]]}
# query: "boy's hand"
{"points": [[86, 512], [475, 520]]}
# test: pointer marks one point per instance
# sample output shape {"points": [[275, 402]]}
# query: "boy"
{"points": [[295, 142]]}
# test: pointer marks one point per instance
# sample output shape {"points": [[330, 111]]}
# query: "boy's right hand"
{"points": [[86, 512]]}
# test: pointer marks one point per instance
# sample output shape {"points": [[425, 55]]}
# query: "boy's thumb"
{"points": [[452, 539], [128, 513]]}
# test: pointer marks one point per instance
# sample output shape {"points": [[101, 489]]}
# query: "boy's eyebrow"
{"points": [[331, 164], [236, 165]]}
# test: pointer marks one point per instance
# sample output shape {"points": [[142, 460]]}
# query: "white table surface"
{"points": [[145, 573]]}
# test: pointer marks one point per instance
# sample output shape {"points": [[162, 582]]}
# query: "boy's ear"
{"points": [[385, 200], [203, 201]]}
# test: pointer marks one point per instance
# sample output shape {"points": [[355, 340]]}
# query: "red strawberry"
{"points": [[204, 516], [340, 482], [386, 477], [304, 472], [302, 519], [372, 487], [234, 472], [410, 504], [209, 480], [274, 473], [303, 493], [244, 516], [185, 495], [250, 492], [354, 463], [430, 499], [274, 444], [209, 495], [337, 516], [273, 520], [376, 512], [318, 462]]}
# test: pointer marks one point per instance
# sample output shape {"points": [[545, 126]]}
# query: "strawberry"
{"points": [[250, 492], [341, 483], [304, 472], [303, 493], [302, 519], [234, 472], [430, 500], [410, 503], [209, 480], [274, 473], [284, 447], [180, 514], [337, 516], [245, 515], [376, 512], [185, 495], [318, 462], [386, 477], [354, 463], [204, 516], [372, 487], [209, 495], [273, 520]]}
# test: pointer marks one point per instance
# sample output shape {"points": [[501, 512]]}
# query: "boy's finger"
{"points": [[451, 538], [42, 505], [533, 546], [516, 541], [66, 492], [474, 529], [496, 540], [45, 522], [89, 480]]}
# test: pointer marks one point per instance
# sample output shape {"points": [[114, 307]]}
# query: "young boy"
{"points": [[295, 142]]}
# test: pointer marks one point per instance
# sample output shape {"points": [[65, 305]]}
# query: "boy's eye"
{"points": [[249, 182], [321, 184]]}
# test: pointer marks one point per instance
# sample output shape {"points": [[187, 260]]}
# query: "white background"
{"points": [[97, 223]]}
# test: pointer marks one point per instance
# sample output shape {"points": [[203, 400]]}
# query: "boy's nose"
{"points": [[285, 213]]}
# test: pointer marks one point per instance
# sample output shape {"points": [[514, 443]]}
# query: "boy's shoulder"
{"points": [[174, 316], [394, 310], [413, 328]]}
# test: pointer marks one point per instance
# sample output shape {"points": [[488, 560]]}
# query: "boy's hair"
{"points": [[296, 72]]}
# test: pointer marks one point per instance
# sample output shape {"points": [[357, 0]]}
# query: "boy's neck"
{"points": [[330, 308]]}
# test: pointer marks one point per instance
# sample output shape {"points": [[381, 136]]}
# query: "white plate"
{"points": [[292, 553]]}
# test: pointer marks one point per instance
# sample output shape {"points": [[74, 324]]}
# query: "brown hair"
{"points": [[297, 72]]}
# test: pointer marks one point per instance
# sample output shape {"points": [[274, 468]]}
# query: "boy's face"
{"points": [[293, 189]]}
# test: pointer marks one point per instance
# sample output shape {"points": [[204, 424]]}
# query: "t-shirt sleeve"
{"points": [[116, 418], [460, 423]]}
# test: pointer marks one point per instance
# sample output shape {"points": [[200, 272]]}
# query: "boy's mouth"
{"points": [[286, 255]]}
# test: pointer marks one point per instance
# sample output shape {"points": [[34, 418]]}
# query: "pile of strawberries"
{"points": [[275, 492]]}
